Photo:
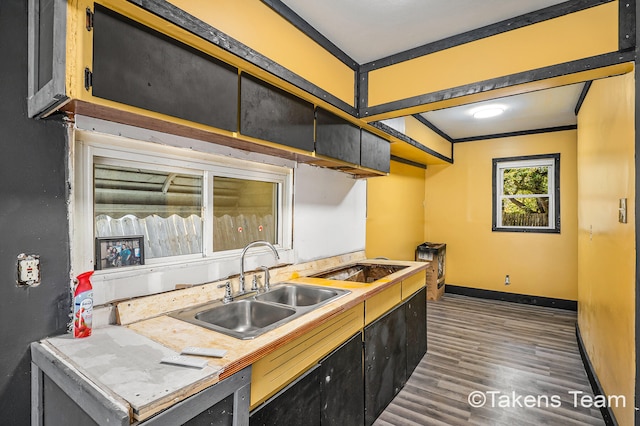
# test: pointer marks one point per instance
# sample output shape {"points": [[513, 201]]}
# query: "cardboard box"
{"points": [[434, 253]]}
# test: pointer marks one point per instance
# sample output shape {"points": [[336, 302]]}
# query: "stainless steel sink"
{"points": [[254, 315], [245, 317], [298, 295], [360, 272]]}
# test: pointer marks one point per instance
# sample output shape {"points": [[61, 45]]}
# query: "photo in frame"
{"points": [[119, 252]]}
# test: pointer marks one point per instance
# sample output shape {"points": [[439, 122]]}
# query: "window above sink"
{"points": [[194, 210]]}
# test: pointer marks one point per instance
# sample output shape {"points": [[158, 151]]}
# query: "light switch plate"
{"points": [[28, 269], [622, 211]]}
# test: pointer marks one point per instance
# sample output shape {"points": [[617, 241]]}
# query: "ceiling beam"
{"points": [[577, 71], [527, 19]]}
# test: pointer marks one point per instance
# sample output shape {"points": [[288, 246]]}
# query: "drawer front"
{"points": [[280, 367], [412, 284], [382, 302]]}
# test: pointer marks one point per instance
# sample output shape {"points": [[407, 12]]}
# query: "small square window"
{"points": [[526, 194]]}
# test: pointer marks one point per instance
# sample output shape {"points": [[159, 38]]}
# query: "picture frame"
{"points": [[119, 252]]}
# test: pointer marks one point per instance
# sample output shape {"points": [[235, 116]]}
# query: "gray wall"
{"points": [[33, 219]]}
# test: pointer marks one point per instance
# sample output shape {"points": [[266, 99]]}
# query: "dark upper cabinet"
{"points": [[416, 318], [375, 152], [271, 114], [336, 137], [138, 66]]}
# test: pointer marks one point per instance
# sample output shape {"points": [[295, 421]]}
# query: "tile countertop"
{"points": [[163, 335]]}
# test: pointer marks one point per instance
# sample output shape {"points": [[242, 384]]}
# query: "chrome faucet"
{"points": [[228, 297], [266, 278], [241, 290]]}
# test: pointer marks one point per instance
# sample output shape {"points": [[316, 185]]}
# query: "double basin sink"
{"points": [[255, 314]]}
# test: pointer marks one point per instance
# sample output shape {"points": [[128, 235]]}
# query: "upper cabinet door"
{"points": [[336, 137], [375, 152], [138, 66], [47, 53], [271, 114]]}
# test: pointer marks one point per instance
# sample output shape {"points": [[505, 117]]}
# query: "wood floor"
{"points": [[505, 351]]}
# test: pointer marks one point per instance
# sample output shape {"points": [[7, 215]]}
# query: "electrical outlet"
{"points": [[28, 269], [507, 280]]}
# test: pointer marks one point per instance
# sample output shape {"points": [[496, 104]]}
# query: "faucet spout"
{"points": [[244, 251]]}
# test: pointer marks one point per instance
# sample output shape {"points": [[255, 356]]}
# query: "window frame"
{"points": [[499, 164], [107, 149]]}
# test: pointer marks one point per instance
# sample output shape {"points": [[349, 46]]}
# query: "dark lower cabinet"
{"points": [[341, 385], [330, 393], [59, 409], [221, 414], [416, 318], [297, 404], [385, 361]]}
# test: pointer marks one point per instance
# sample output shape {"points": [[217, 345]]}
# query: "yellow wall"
{"points": [[395, 213], [257, 26], [459, 213], [427, 137], [586, 33], [606, 248]]}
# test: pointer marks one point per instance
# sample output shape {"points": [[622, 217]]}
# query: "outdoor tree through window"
{"points": [[526, 194]]}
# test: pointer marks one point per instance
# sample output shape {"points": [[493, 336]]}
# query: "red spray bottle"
{"points": [[83, 306]]}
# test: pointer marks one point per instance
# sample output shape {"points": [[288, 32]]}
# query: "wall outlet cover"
{"points": [[28, 270]]}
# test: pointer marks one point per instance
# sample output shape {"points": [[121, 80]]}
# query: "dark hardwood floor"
{"points": [[521, 360]]}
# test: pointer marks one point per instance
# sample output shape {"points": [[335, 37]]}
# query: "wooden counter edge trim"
{"points": [[276, 344], [100, 403]]}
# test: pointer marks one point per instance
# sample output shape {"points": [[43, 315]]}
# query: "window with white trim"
{"points": [[188, 206], [526, 194]]}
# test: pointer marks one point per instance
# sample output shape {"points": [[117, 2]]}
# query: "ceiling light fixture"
{"points": [[488, 111]]}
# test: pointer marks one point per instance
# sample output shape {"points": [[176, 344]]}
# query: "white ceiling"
{"points": [[532, 111], [368, 30]]}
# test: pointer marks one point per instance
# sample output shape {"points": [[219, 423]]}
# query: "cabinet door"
{"points": [[271, 114], [221, 414], [47, 53], [385, 360], [342, 386], [375, 152], [59, 409], [297, 404], [138, 66], [337, 138], [416, 312]]}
